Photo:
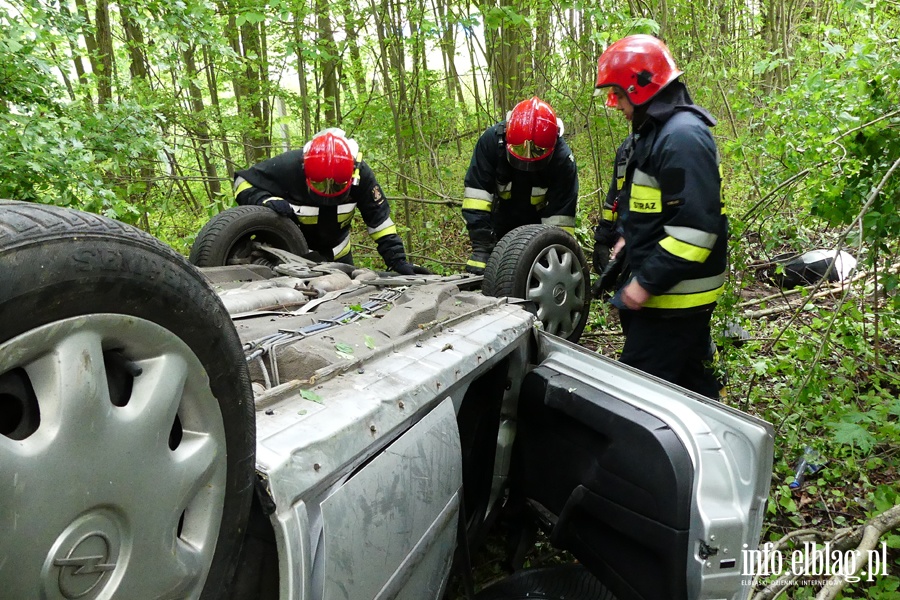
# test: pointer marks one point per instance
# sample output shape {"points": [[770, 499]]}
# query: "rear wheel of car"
{"points": [[230, 237], [543, 264], [126, 417], [564, 582]]}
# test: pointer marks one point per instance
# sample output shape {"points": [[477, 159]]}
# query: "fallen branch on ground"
{"points": [[860, 540]]}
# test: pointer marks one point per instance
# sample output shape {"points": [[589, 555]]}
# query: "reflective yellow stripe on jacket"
{"points": [[564, 222], [382, 230], [690, 293], [646, 196], [688, 243], [476, 199]]}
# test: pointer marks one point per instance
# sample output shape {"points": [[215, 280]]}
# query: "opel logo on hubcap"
{"points": [[559, 293], [84, 565]]}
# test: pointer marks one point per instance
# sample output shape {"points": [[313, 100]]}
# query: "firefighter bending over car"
{"points": [[522, 172], [319, 188]]}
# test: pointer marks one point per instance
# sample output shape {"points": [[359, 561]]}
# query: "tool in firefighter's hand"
{"points": [[606, 283]]}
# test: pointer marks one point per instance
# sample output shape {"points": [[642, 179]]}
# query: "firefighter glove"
{"points": [[405, 268], [280, 206], [481, 252]]}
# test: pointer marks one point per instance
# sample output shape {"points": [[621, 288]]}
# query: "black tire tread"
{"points": [[203, 246], [207, 245], [499, 274], [503, 272], [27, 222]]}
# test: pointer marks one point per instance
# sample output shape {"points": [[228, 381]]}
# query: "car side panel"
{"points": [[393, 521]]}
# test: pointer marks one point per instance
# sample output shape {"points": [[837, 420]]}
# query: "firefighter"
{"points": [[522, 172], [319, 188], [670, 214]]}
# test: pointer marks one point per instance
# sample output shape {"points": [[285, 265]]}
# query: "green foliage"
{"points": [[835, 128], [24, 77], [72, 157]]}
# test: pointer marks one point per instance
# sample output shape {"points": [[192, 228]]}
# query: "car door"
{"points": [[656, 490]]}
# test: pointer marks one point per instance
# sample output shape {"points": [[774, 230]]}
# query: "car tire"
{"points": [[127, 430], [564, 582], [228, 238], [543, 264]]}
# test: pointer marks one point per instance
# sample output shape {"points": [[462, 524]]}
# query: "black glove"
{"points": [[477, 257], [614, 272], [280, 206], [405, 268], [605, 237], [482, 246], [315, 257], [600, 257]]}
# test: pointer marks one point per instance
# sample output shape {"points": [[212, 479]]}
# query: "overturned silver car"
{"points": [[284, 430]]}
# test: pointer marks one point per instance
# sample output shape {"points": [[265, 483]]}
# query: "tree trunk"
{"points": [[104, 63], [328, 65], [482, 109], [541, 50], [448, 52], [137, 67], [507, 49], [385, 60], [237, 79], [662, 17], [255, 87], [200, 129], [212, 85], [89, 40], [77, 58], [299, 43], [357, 70], [134, 43]]}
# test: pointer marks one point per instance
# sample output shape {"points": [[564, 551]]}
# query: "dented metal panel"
{"points": [[381, 525]]}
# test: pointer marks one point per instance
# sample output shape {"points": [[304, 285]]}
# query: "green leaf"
{"points": [[760, 367], [885, 497], [788, 503], [249, 17], [853, 434], [311, 396], [370, 342]]}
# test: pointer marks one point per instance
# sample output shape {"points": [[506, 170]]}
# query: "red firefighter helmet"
{"points": [[641, 65], [329, 163], [531, 132]]}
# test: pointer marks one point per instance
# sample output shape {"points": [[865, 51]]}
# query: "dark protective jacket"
{"points": [[325, 222], [670, 208], [607, 232], [499, 198]]}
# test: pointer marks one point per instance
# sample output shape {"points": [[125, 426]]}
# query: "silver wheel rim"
{"points": [[556, 286], [113, 494]]}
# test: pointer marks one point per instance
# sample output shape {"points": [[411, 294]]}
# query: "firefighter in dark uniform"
{"points": [[606, 233], [320, 187], [670, 214], [522, 172]]}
